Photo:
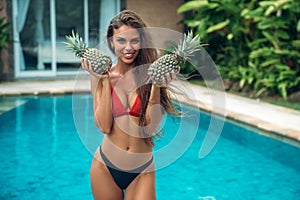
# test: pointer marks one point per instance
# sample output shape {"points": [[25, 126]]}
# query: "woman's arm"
{"points": [[154, 110], [100, 88], [102, 106]]}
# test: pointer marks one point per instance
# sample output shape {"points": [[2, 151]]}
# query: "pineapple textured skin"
{"points": [[101, 63], [162, 66], [169, 63]]}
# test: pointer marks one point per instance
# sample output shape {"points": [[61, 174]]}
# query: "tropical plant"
{"points": [[253, 42], [4, 35]]}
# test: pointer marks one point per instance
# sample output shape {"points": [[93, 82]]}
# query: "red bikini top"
{"points": [[118, 108]]}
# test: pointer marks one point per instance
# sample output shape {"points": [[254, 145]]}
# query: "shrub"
{"points": [[255, 43], [4, 35]]}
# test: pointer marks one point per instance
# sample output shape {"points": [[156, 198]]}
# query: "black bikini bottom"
{"points": [[123, 177]]}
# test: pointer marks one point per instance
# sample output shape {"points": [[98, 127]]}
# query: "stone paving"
{"points": [[281, 123]]}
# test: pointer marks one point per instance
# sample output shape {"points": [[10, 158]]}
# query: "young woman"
{"points": [[128, 110]]}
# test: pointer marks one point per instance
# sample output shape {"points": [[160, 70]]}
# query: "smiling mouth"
{"points": [[128, 55]]}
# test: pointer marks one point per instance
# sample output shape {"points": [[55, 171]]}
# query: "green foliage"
{"points": [[255, 43], [4, 35]]}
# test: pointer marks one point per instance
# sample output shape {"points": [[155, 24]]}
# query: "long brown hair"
{"points": [[146, 56]]}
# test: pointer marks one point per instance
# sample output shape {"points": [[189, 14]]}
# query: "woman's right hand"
{"points": [[110, 76], [87, 66]]}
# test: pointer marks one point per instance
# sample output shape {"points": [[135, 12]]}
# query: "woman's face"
{"points": [[126, 43]]}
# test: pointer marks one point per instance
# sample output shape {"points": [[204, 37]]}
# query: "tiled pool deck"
{"points": [[282, 123]]}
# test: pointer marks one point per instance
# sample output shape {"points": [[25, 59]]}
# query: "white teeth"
{"points": [[128, 54]]}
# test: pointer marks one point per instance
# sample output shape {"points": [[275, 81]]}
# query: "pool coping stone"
{"points": [[281, 122]]}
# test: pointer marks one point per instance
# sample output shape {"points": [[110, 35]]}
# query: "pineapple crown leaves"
{"points": [[187, 46], [76, 44]]}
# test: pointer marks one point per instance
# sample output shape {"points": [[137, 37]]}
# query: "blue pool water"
{"points": [[44, 157]]}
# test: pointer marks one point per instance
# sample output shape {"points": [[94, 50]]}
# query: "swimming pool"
{"points": [[43, 157]]}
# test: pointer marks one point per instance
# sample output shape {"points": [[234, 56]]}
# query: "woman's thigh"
{"points": [[142, 187], [102, 183]]}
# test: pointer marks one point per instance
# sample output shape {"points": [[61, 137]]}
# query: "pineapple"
{"points": [[169, 63], [101, 63]]}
